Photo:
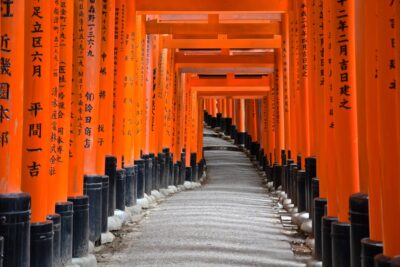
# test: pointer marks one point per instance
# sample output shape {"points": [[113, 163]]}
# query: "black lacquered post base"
{"points": [[15, 228], [319, 210], [93, 189], [340, 244], [42, 244], [359, 220], [56, 219], [369, 249], [66, 211], [80, 237], [327, 240], [111, 172]]}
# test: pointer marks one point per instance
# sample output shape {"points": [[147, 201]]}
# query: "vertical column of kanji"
{"points": [[311, 74], [11, 95], [286, 72], [149, 93], [273, 115], [320, 62], [371, 113], [104, 129], [175, 146], [140, 44], [64, 97], [167, 83], [271, 129], [264, 118], [279, 101], [180, 114], [75, 181], [200, 120], [345, 91], [159, 109], [293, 74], [153, 108], [303, 100], [54, 172], [119, 76], [128, 45], [36, 124], [388, 125], [92, 80], [188, 114]]}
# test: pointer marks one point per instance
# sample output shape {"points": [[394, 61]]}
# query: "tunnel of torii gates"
{"points": [[108, 98]]}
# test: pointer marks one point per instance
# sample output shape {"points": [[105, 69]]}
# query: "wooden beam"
{"points": [[258, 59], [252, 84], [273, 28], [216, 69], [221, 43], [210, 6]]}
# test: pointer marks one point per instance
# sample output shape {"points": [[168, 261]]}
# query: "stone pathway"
{"points": [[231, 221]]}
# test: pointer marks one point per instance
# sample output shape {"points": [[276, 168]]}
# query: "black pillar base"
{"points": [[213, 122], [104, 203], [319, 210], [228, 126], [120, 183], [188, 176], [93, 189], [130, 186], [56, 219], [15, 228], [193, 164], [359, 219], [111, 172], [241, 138], [154, 171], [140, 178], [301, 190], [340, 244], [42, 244], [219, 120], [233, 132], [327, 240], [65, 210], [80, 237], [370, 249]]}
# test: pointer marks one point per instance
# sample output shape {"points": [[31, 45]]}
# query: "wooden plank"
{"points": [[210, 6], [154, 27]]}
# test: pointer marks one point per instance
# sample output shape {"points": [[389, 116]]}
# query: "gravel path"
{"points": [[231, 221]]}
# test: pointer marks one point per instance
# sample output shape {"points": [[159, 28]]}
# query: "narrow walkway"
{"points": [[229, 222]]}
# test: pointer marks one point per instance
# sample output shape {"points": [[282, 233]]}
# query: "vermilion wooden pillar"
{"points": [[345, 109], [371, 113], [75, 180], [388, 128], [148, 147], [118, 85], [140, 44], [279, 103], [154, 92], [303, 101], [293, 78], [321, 113], [106, 94], [12, 98], [286, 73], [54, 171], [36, 108], [331, 173], [128, 91], [64, 97], [91, 91]]}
